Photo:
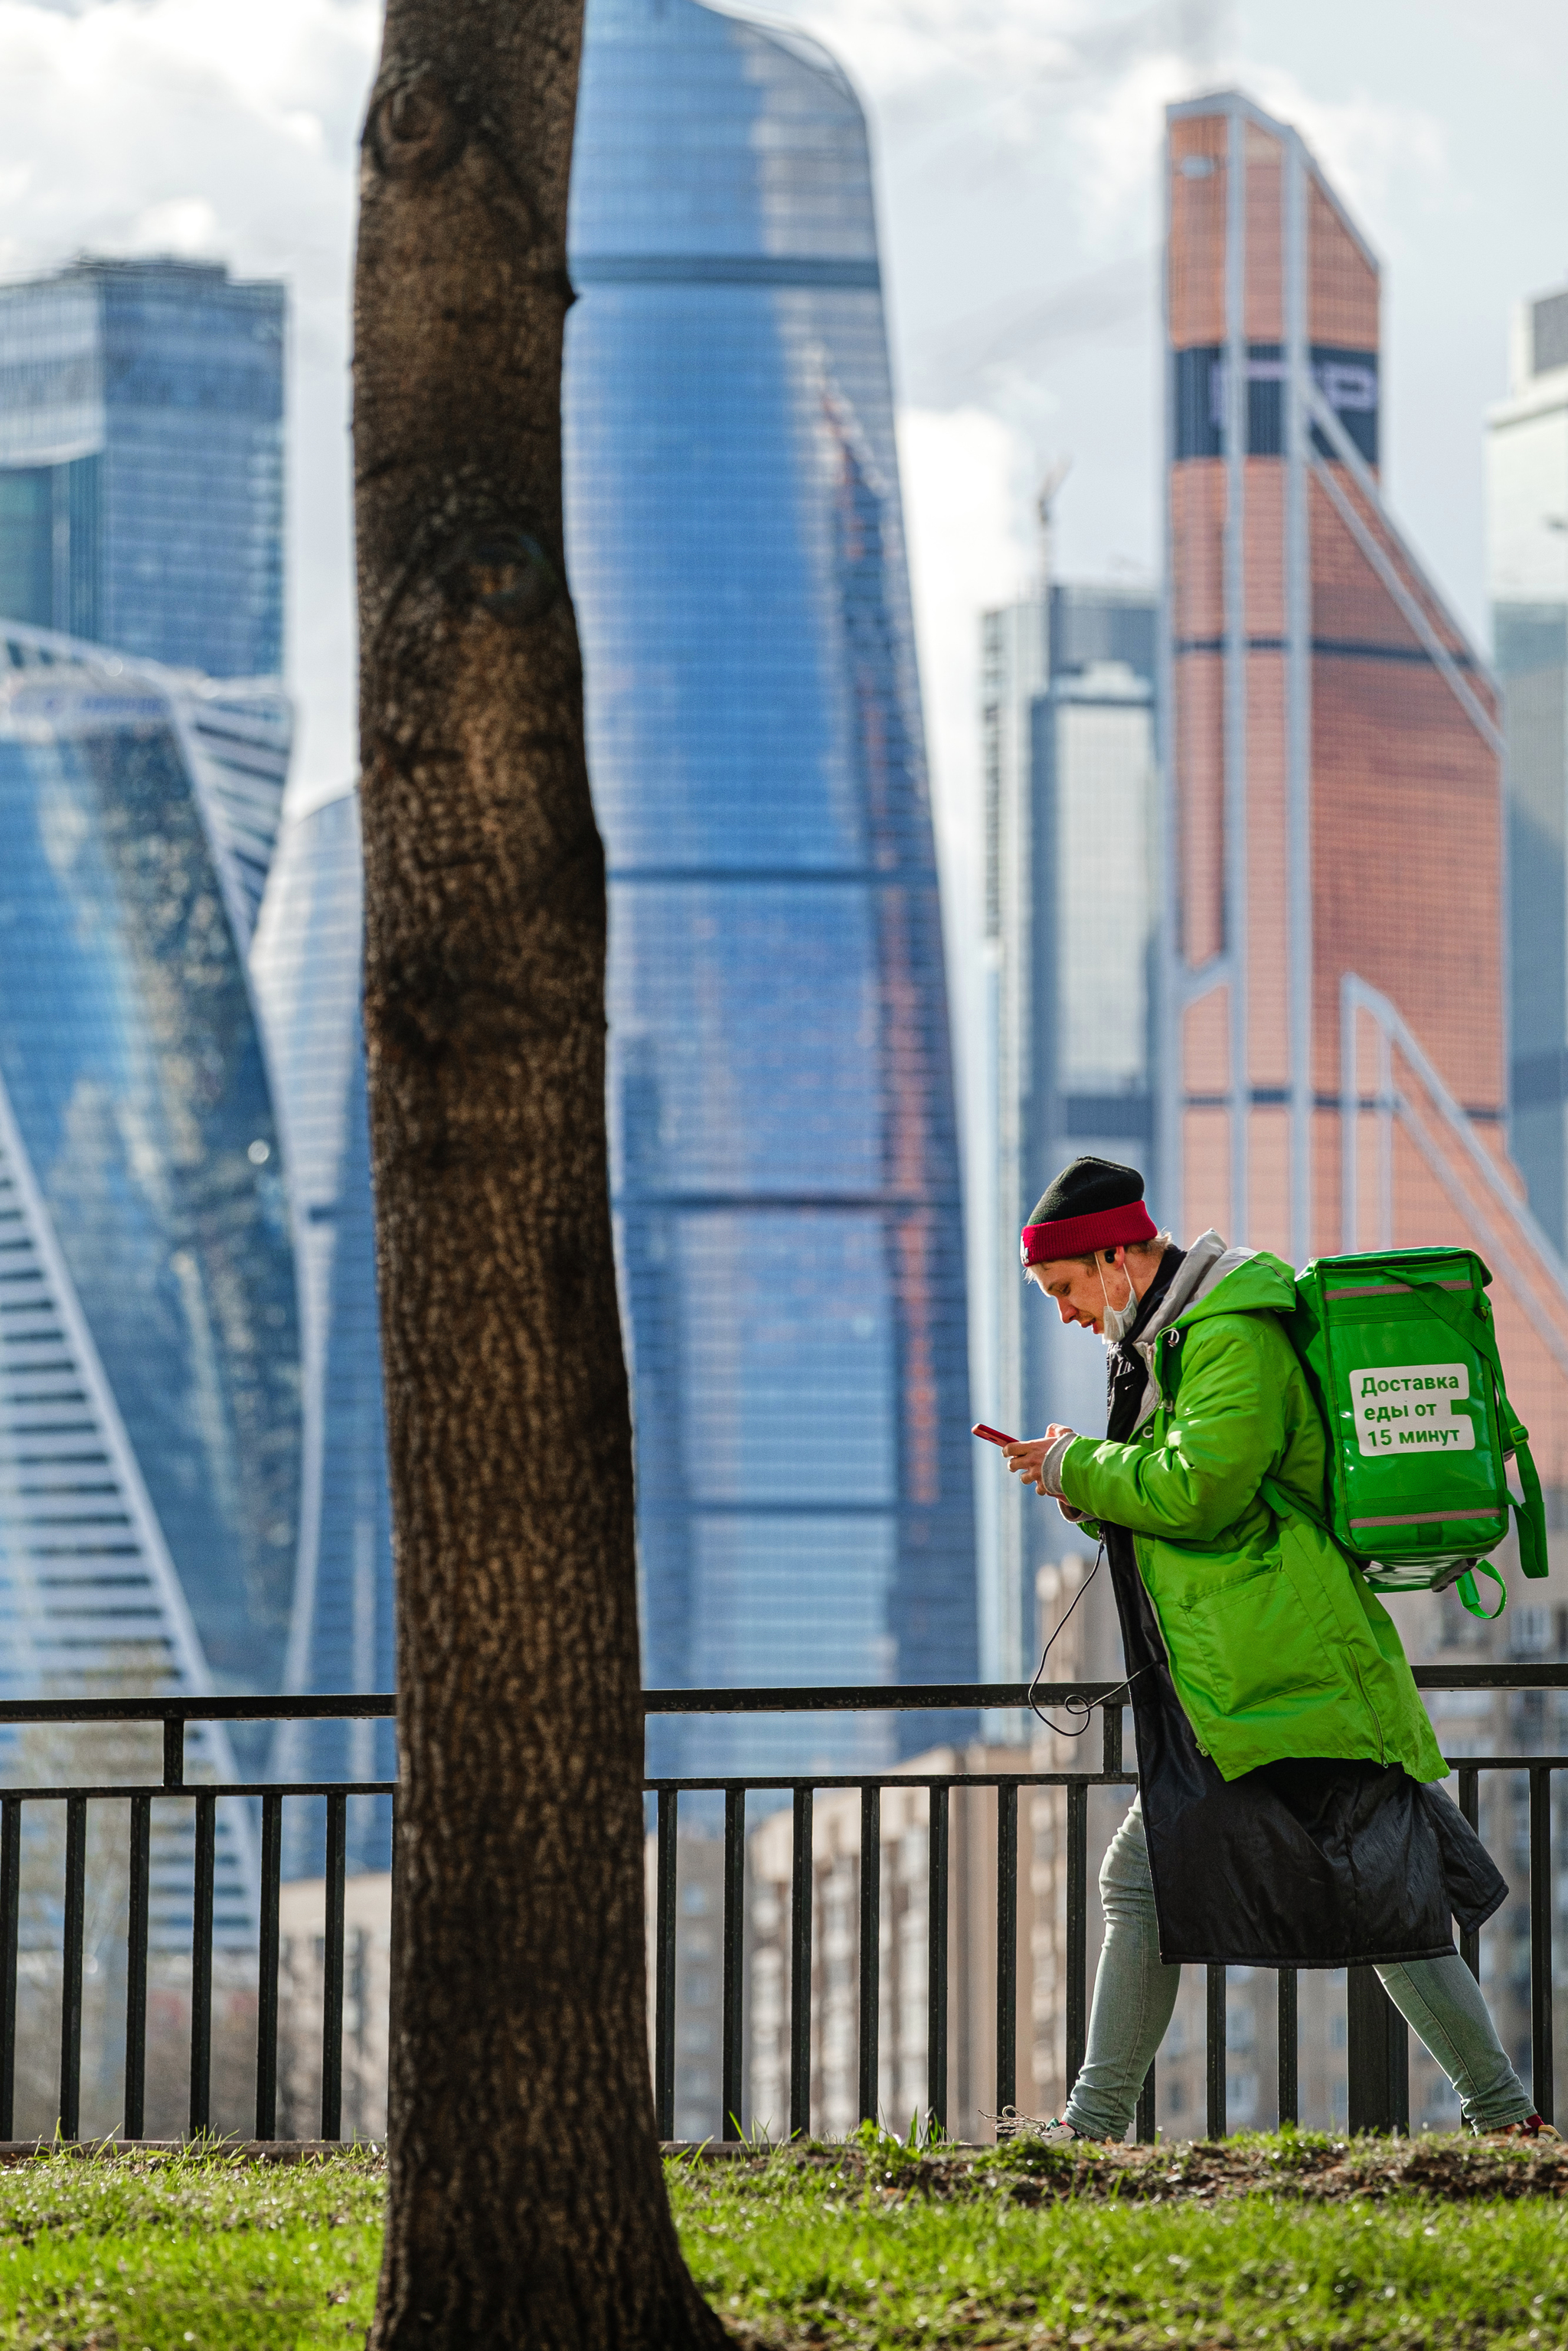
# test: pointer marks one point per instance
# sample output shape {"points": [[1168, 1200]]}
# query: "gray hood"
{"points": [[1203, 1269]]}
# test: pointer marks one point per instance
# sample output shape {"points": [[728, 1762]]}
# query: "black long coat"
{"points": [[1307, 1864]]}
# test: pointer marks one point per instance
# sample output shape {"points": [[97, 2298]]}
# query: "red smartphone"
{"points": [[991, 1435]]}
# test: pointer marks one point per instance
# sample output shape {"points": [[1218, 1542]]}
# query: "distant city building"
{"points": [[1527, 480], [302, 2004], [1068, 714], [1335, 893], [141, 461], [785, 1163], [307, 966], [150, 1416]]}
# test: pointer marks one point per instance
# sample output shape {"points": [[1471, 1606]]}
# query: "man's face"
{"points": [[1077, 1289]]}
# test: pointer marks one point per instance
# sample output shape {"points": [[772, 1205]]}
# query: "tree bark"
{"points": [[527, 2203]]}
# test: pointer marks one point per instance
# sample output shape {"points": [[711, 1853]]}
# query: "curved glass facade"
{"points": [[784, 1156], [140, 1119], [306, 965]]}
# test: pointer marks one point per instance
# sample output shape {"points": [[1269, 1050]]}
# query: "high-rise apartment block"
{"points": [[1335, 1072], [1070, 966], [142, 462], [784, 1161], [1527, 517]]}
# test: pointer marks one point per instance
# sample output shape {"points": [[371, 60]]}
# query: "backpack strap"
{"points": [[1465, 1585], [1290, 1506], [1471, 1320], [1286, 1505]]}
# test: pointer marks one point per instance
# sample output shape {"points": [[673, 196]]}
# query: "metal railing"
{"points": [[1376, 2040]]}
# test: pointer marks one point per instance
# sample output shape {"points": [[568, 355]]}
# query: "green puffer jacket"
{"points": [[1277, 1648]]}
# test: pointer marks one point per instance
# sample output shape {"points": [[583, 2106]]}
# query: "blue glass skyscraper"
{"points": [[307, 965], [149, 1393], [142, 462], [785, 1166]]}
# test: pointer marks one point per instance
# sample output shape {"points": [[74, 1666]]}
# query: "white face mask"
{"points": [[1119, 1319]]}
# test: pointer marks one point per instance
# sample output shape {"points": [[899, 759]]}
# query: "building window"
{"points": [[26, 545]]}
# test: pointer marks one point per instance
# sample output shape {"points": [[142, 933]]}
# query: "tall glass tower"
{"points": [[150, 1392], [307, 966], [1068, 732], [1527, 529], [785, 1166], [142, 462]]}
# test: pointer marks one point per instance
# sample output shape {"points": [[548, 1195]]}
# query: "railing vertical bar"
{"points": [[871, 1954], [1542, 2088], [1111, 1738], [937, 1962], [266, 1967], [1144, 2128], [1213, 2042], [1469, 1804], [134, 2120], [10, 1922], [1377, 2056], [1289, 2093], [202, 1963], [1077, 1929], [664, 1963], [731, 2025], [332, 1969], [394, 1956], [173, 1752], [801, 1969], [71, 1967], [1006, 1947]]}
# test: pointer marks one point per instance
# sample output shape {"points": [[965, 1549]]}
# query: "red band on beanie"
{"points": [[1079, 1235]]}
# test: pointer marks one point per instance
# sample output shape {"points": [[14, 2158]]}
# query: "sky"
{"points": [[1016, 144]]}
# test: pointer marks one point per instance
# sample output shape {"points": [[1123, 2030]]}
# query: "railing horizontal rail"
{"points": [[118, 1791], [862, 1698], [353, 1708], [105, 1790], [784, 1781]]}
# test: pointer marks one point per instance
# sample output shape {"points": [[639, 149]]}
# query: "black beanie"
{"points": [[1093, 1205]]}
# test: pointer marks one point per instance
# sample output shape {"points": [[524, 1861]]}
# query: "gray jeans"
{"points": [[1135, 1993]]}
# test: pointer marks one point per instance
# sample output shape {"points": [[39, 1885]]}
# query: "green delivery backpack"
{"points": [[1400, 1350]]}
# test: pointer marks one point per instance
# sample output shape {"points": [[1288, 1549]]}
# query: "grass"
{"points": [[188, 2252], [1298, 2243], [1290, 2243]]}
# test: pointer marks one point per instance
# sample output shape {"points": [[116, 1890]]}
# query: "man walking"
{"points": [[1287, 1815]]}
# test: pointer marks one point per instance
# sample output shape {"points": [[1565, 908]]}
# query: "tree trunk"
{"points": [[526, 2204]]}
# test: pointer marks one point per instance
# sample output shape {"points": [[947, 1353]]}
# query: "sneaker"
{"points": [[1532, 2126], [1011, 2124]]}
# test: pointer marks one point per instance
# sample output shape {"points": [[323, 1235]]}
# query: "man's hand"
{"points": [[1027, 1458]]}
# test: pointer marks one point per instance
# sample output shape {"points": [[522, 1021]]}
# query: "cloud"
{"points": [[183, 224], [967, 478], [1034, 329]]}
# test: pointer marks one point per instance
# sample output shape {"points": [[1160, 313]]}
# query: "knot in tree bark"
{"points": [[413, 131], [503, 571]]}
